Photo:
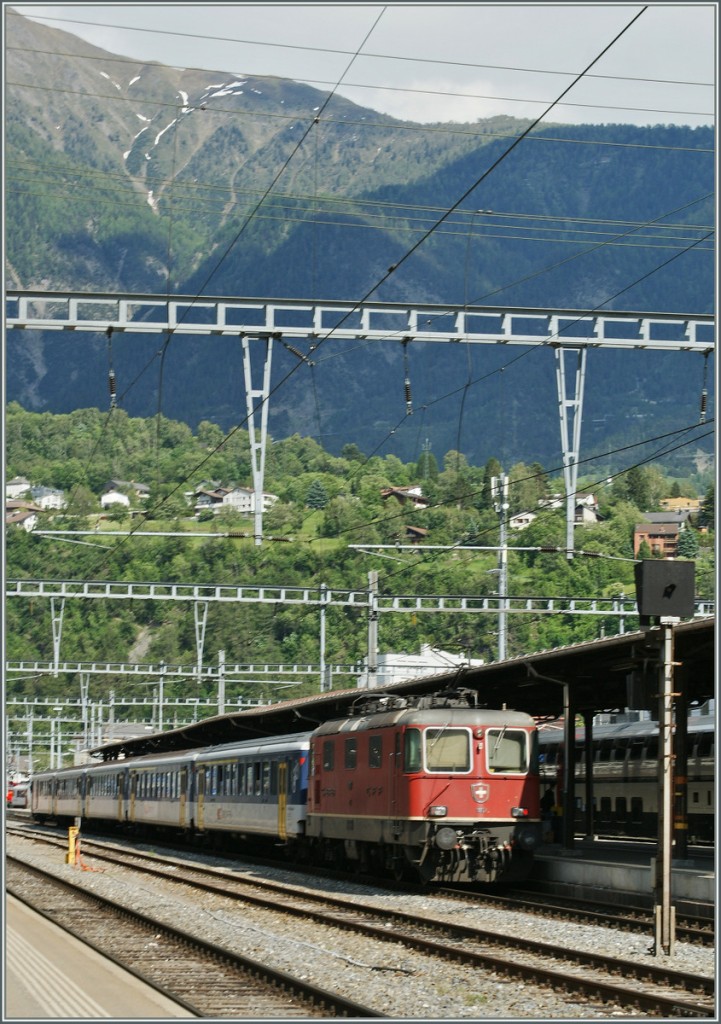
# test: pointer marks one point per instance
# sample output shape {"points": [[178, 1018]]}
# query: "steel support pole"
{"points": [[257, 445], [569, 764], [571, 412], [221, 682], [372, 628], [57, 618], [200, 611], [324, 594], [663, 911]]}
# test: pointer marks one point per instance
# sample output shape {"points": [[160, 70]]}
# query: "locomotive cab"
{"points": [[433, 786]]}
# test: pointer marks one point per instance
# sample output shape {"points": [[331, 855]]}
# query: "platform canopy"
{"points": [[597, 675]]}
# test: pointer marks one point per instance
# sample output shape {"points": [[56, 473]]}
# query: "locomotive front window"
{"points": [[351, 753], [448, 750], [507, 750]]}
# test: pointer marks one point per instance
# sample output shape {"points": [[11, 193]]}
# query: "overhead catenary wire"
{"points": [[396, 265], [441, 219]]}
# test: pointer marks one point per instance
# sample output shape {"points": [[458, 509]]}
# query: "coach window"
{"points": [[448, 750], [507, 750], [412, 751], [273, 778], [266, 778], [636, 810], [328, 756], [621, 809], [375, 751], [257, 777], [605, 808], [351, 752]]}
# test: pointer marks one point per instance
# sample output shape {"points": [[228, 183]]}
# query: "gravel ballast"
{"points": [[390, 978]]}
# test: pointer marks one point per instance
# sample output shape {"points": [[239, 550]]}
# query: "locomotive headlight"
{"points": [[519, 812], [437, 811]]}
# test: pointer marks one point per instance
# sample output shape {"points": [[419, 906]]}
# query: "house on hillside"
{"points": [[236, 499], [48, 498], [21, 513], [412, 496], [521, 520], [661, 531], [690, 505], [128, 487], [114, 497], [585, 507], [16, 487]]}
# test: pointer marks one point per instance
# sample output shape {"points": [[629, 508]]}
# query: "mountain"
{"points": [[135, 177]]}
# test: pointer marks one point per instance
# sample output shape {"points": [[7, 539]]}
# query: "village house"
{"points": [[235, 499], [21, 513], [113, 497], [412, 496], [16, 487], [128, 487], [48, 498], [690, 505]]}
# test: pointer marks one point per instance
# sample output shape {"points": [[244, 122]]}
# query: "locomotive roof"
{"points": [[448, 717]]}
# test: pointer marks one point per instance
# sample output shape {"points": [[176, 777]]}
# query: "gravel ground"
{"points": [[399, 982]]}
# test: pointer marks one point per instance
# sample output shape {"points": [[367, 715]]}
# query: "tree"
{"points": [[688, 545], [317, 496], [708, 509], [644, 551]]}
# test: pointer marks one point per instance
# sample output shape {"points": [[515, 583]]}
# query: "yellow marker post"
{"points": [[71, 856]]}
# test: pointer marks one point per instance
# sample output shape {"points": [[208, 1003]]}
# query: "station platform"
{"points": [[619, 872]]}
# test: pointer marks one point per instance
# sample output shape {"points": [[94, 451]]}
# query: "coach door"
{"points": [[120, 784], [183, 796], [282, 799], [133, 788], [200, 812]]}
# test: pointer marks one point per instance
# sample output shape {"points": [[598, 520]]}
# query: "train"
{"points": [[429, 787], [625, 774]]}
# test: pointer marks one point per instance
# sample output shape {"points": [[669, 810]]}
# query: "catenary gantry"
{"points": [[569, 333]]}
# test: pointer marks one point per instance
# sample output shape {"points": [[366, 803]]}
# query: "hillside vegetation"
{"points": [[325, 505]]}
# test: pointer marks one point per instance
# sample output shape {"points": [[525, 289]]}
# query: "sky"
{"points": [[437, 62]]}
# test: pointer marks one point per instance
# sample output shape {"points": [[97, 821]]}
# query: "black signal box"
{"points": [[665, 588]]}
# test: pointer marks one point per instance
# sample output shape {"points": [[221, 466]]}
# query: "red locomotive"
{"points": [[432, 786]]}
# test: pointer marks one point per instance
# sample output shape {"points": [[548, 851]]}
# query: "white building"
{"points": [[114, 498], [16, 487], [48, 498], [236, 499], [394, 668]]}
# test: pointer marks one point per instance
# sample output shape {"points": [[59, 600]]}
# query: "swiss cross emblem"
{"points": [[480, 792]]}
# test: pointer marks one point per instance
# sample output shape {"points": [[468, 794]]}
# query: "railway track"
{"points": [[630, 919], [652, 989], [206, 979], [633, 919]]}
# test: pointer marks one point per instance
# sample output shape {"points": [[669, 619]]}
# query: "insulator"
{"points": [[409, 400], [111, 386], [704, 397]]}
